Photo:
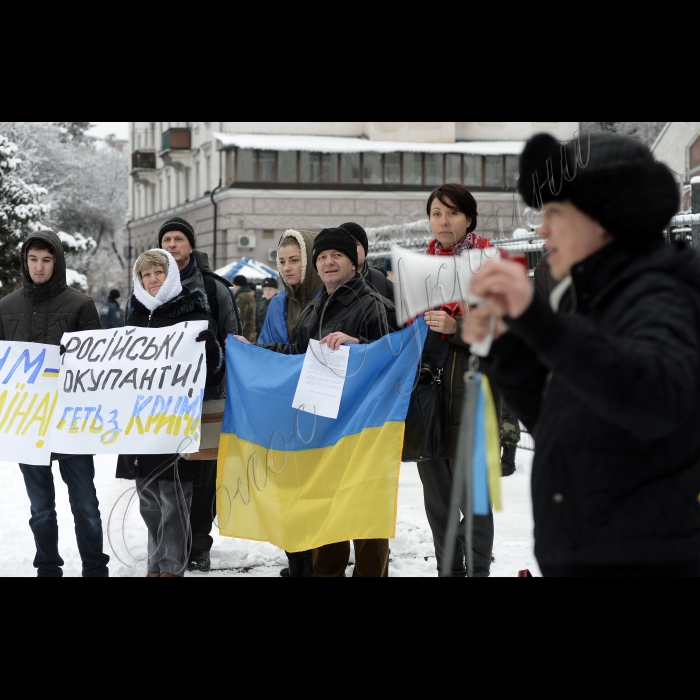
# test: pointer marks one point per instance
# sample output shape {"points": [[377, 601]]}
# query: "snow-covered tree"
{"points": [[87, 188], [22, 209], [74, 131]]}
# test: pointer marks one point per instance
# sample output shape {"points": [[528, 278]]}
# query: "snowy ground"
{"points": [[412, 551]]}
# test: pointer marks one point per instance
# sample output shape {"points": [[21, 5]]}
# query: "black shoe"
{"points": [[284, 573], [199, 561], [508, 460], [308, 566], [301, 564]]}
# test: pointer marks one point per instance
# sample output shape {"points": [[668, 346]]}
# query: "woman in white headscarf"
{"points": [[164, 482]]}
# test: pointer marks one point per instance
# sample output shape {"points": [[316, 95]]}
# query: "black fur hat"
{"points": [[614, 179]]}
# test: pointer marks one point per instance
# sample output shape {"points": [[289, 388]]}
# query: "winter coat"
{"points": [[378, 281], [610, 389], [457, 360], [261, 306], [354, 309], [225, 316], [542, 278], [246, 310], [42, 313], [275, 326], [187, 306], [114, 317]]}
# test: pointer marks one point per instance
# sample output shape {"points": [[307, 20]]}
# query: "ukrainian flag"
{"points": [[301, 481], [49, 372]]}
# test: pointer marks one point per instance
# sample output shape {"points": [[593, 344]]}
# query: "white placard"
{"points": [[28, 393], [322, 379], [423, 282], [131, 391]]}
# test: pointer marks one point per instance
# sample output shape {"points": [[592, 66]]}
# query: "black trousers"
{"points": [[436, 476], [204, 507]]}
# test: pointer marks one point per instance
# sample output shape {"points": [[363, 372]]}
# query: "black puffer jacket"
{"points": [[353, 309], [186, 306], [42, 313], [610, 388]]}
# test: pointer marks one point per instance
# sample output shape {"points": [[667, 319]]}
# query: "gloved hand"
{"points": [[205, 336]]}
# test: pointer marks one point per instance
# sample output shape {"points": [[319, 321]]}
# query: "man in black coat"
{"points": [[607, 379], [347, 311], [41, 312]]}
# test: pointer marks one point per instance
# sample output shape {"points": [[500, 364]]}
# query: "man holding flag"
{"points": [[346, 312]]}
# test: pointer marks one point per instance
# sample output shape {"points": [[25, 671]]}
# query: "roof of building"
{"points": [[344, 144]]}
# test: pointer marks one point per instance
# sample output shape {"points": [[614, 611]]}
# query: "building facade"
{"points": [[242, 184]]}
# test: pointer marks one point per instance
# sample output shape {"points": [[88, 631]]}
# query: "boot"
{"points": [[199, 561], [153, 574], [308, 564], [508, 460], [169, 575]]}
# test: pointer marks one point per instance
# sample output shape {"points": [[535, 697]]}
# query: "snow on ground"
{"points": [[412, 552]]}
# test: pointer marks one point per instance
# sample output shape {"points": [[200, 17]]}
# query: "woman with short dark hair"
{"points": [[452, 213]]}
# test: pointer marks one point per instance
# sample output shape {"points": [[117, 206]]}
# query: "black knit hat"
{"points": [[269, 282], [616, 181], [358, 233], [177, 224], [240, 280], [335, 239], [114, 294]]}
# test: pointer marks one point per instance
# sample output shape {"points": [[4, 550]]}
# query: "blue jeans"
{"points": [[78, 472]]}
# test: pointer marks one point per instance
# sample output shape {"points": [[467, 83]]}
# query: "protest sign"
{"points": [[130, 391], [28, 392]]}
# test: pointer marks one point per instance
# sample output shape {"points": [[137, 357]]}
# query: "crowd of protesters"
{"points": [[598, 356]]}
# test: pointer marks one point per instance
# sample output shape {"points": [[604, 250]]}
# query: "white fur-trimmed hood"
{"points": [[170, 289]]}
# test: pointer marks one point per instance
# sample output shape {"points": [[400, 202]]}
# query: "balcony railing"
{"points": [[176, 139], [144, 160]]}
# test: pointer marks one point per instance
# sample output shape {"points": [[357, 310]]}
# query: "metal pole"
{"points": [[462, 482]]}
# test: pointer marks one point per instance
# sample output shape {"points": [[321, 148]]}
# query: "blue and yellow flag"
{"points": [[301, 481]]}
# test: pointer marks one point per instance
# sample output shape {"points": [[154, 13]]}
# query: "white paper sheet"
{"points": [[423, 282], [322, 379]]}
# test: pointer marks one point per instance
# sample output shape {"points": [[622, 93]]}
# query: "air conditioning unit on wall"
{"points": [[246, 241], [272, 255]]}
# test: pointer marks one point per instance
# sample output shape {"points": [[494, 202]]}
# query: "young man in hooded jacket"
{"points": [[41, 312], [606, 376]]}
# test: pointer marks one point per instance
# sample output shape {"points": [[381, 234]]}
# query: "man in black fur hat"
{"points": [[606, 376]]}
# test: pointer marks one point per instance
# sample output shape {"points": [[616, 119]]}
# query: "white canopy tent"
{"points": [[251, 269]]}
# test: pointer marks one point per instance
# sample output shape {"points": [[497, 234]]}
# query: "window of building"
{"points": [[453, 167], [512, 165], [493, 171], [694, 158], [329, 167], [350, 168], [392, 169], [287, 166], [309, 167], [230, 169], [472, 171], [246, 165], [412, 168], [434, 168], [372, 168], [267, 165]]}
